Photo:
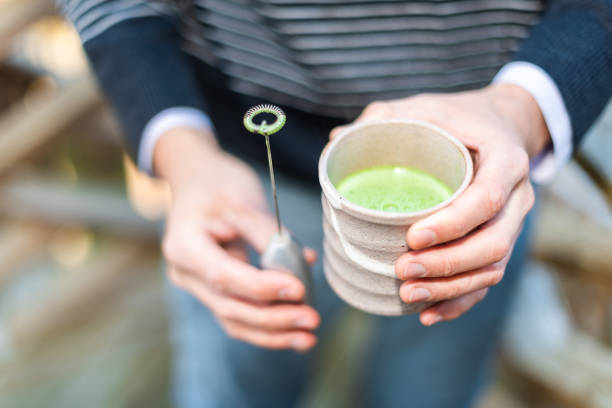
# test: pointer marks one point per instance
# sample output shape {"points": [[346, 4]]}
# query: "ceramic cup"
{"points": [[361, 245]]}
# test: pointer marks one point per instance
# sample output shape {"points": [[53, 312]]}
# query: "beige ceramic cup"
{"points": [[361, 245]]}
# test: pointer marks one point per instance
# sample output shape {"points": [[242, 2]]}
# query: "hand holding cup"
{"points": [[463, 249]]}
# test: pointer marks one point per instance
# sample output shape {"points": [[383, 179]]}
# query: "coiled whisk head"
{"points": [[264, 128]]}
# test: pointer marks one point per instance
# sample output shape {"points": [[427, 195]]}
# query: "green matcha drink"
{"points": [[393, 189]]}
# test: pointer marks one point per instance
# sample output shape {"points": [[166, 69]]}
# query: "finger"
{"points": [[240, 279], [209, 262], [485, 246], [297, 340], [437, 289], [255, 226], [310, 255], [221, 230], [237, 250], [374, 111], [258, 227], [336, 131], [498, 174], [176, 277], [264, 316], [270, 317], [451, 309]]}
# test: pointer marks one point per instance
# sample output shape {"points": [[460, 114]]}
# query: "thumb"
{"points": [[256, 226], [237, 250], [336, 131], [374, 111]]}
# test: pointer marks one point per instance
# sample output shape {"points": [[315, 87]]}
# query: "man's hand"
{"points": [[218, 206], [464, 248]]}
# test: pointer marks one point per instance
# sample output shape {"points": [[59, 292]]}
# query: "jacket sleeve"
{"points": [[134, 50], [573, 44]]}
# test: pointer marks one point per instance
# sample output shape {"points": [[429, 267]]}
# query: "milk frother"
{"points": [[283, 252]]}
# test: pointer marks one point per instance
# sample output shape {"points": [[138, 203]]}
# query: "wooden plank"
{"points": [[566, 237], [28, 127], [150, 197], [576, 189], [542, 343], [116, 356], [70, 300], [580, 373], [96, 205], [596, 151], [496, 396], [19, 242]]}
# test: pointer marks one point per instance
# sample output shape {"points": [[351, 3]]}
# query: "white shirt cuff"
{"points": [[165, 120], [543, 89]]}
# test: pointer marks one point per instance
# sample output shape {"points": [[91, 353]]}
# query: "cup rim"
{"points": [[384, 217]]}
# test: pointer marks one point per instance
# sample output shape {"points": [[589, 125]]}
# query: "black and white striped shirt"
{"points": [[335, 56]]}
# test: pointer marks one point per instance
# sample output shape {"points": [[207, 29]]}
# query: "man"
{"points": [[181, 74]]}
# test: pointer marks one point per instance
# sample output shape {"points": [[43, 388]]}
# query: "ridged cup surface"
{"points": [[361, 245]]}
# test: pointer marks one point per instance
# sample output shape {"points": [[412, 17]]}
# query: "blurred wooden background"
{"points": [[83, 320]]}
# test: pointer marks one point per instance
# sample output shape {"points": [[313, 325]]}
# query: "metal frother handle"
{"points": [[284, 252]]}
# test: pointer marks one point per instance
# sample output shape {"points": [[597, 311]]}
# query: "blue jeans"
{"points": [[408, 365]]}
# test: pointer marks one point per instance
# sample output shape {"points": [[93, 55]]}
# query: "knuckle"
{"points": [[482, 294], [375, 107], [521, 161], [454, 315], [263, 319], [258, 292], [454, 291], [448, 266], [456, 312], [448, 293], [494, 199], [497, 276], [278, 318], [501, 249], [469, 285], [336, 131], [231, 331], [258, 318], [457, 228], [170, 249], [530, 197], [217, 280], [225, 311]]}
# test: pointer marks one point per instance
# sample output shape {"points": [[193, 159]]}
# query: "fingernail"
{"points": [[414, 270], [424, 238], [303, 322], [298, 343], [288, 293], [434, 319], [418, 295]]}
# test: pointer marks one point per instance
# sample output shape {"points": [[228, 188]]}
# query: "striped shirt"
{"points": [[334, 56]]}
